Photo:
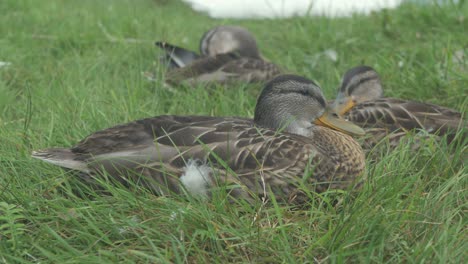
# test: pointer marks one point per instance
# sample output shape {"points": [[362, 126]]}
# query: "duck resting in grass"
{"points": [[361, 101], [228, 54], [293, 141]]}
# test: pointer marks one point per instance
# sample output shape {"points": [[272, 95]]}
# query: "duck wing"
{"points": [[224, 68], [158, 153], [176, 57], [252, 70], [174, 140], [393, 114]]}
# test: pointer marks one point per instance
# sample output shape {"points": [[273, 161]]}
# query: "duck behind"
{"points": [[361, 101], [228, 54]]}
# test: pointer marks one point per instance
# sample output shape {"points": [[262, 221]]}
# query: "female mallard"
{"points": [[360, 100], [218, 40], [228, 54], [292, 140]]}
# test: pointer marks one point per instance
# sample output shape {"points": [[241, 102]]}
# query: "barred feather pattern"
{"points": [[223, 69], [392, 118], [248, 160]]}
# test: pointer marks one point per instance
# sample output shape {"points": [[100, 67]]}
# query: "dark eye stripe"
{"points": [[317, 96], [283, 80], [321, 101], [206, 39], [361, 81]]}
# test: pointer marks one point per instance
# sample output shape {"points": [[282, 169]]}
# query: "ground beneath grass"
{"points": [[76, 67]]}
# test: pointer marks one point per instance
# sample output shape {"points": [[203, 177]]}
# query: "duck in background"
{"points": [[360, 100], [218, 40], [292, 141], [227, 54]]}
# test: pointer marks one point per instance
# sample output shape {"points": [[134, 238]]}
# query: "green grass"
{"points": [[67, 79]]}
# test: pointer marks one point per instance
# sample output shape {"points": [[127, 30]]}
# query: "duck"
{"points": [[227, 54], [293, 140], [218, 40], [361, 100]]}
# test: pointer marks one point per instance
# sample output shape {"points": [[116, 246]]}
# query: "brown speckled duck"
{"points": [[228, 54], [360, 100], [292, 141]]}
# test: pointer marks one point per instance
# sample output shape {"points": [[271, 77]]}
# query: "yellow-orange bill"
{"points": [[337, 123], [343, 105]]}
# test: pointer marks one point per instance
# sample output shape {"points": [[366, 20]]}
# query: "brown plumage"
{"points": [[218, 40], [222, 69], [361, 101], [279, 151], [228, 54]]}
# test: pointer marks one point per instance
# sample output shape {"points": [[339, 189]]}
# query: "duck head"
{"points": [[296, 105], [229, 39], [359, 84]]}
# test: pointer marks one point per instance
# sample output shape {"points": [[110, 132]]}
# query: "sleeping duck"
{"points": [[228, 54]]}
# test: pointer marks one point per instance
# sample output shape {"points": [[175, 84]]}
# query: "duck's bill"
{"points": [[328, 119], [343, 105]]}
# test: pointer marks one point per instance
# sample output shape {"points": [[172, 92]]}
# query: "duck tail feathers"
{"points": [[176, 57], [61, 157]]}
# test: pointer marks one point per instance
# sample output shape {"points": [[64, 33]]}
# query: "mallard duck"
{"points": [[228, 54], [218, 40], [361, 101], [292, 139]]}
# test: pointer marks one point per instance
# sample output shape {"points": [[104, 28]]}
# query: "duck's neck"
{"points": [[301, 128], [287, 123]]}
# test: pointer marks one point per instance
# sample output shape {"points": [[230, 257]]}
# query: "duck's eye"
{"points": [[304, 92], [335, 115]]}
